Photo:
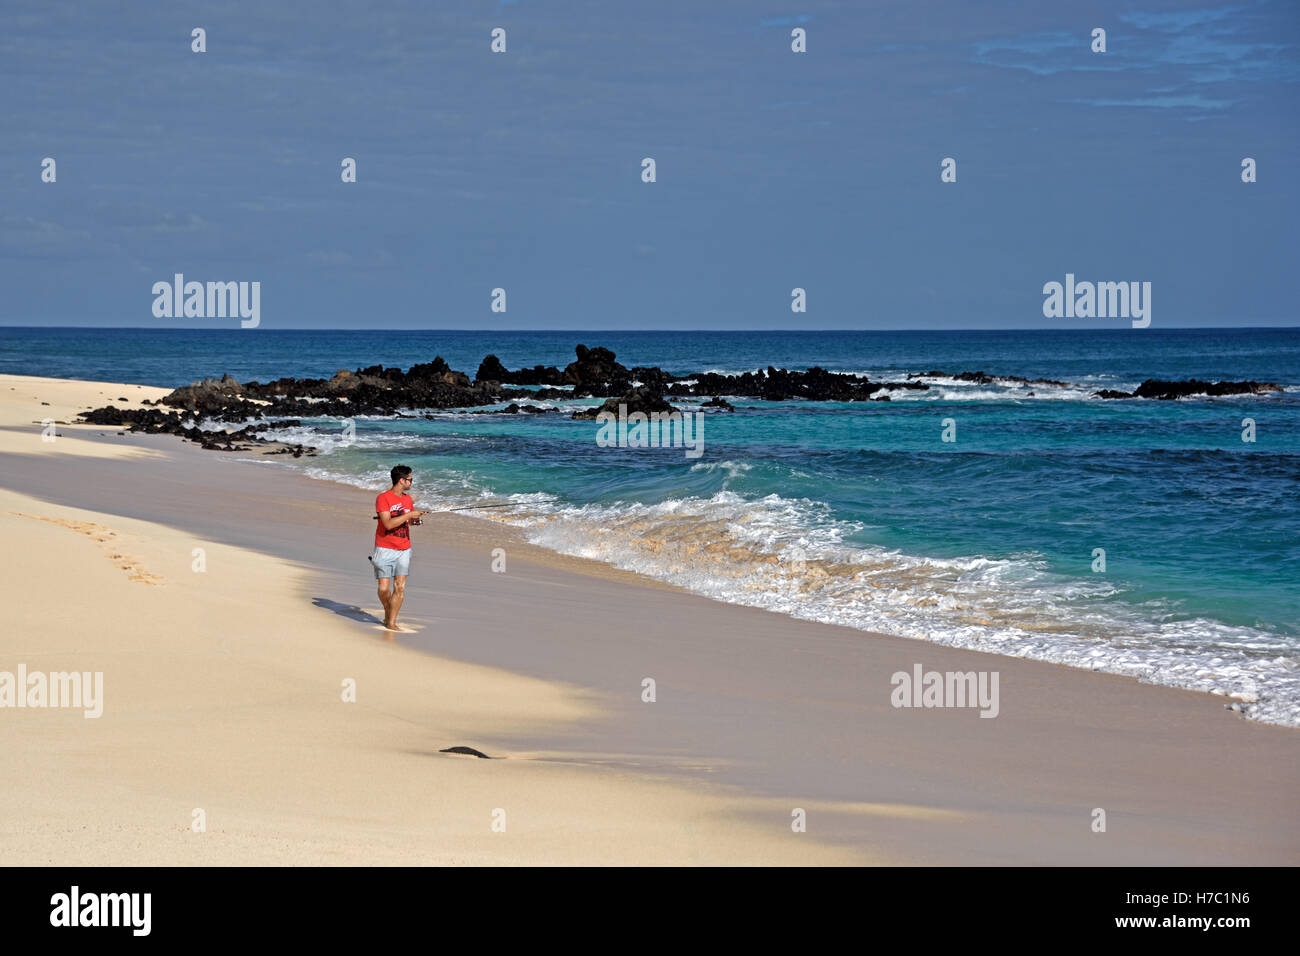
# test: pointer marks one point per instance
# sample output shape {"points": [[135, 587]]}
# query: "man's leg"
{"points": [[384, 596], [395, 600]]}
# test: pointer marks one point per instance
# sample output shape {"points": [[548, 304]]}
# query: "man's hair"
{"points": [[399, 472]]}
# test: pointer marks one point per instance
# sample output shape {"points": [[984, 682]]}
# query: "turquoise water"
{"points": [[858, 513]]}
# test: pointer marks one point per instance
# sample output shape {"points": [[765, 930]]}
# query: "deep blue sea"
{"points": [[859, 513]]}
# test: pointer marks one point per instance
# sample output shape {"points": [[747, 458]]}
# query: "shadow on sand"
{"points": [[347, 610]]}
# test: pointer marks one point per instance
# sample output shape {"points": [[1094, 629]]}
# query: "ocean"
{"points": [[859, 513]]}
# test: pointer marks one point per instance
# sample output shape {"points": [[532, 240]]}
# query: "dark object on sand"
{"points": [[468, 751]]}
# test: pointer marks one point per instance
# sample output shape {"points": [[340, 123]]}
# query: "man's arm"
{"points": [[396, 521]]}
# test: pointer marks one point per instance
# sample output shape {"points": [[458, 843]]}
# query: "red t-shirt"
{"points": [[399, 538]]}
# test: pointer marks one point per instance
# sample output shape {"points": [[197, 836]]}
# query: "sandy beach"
{"points": [[224, 687]]}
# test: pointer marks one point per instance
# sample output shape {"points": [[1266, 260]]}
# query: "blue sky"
{"points": [[523, 170]]}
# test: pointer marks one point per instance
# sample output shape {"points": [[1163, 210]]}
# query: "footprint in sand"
{"points": [[102, 536]]}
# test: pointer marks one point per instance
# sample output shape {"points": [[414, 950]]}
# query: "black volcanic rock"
{"points": [[596, 373], [206, 395], [1168, 391], [374, 390], [514, 408], [977, 378], [378, 390], [1155, 388], [491, 370], [367, 391], [112, 415], [436, 372], [538, 375], [154, 421], [816, 384], [539, 394], [641, 399], [343, 383], [652, 377], [984, 378]]}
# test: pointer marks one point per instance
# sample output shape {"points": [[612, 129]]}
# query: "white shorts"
{"points": [[390, 562]]}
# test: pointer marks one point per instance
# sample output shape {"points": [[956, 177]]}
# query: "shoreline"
{"points": [[1026, 599], [768, 707], [1234, 700]]}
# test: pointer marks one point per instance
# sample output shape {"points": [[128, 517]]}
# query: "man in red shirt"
{"points": [[396, 512]]}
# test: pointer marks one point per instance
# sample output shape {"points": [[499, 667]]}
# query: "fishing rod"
{"points": [[504, 504]]}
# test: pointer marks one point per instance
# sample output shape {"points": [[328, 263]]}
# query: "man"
{"points": [[396, 512]]}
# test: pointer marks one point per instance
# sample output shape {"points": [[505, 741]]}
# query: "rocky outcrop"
{"points": [[778, 385], [184, 424], [984, 378], [642, 399], [206, 396], [1167, 391], [436, 372], [596, 373], [491, 370], [514, 408], [1155, 388], [651, 377], [375, 390]]}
